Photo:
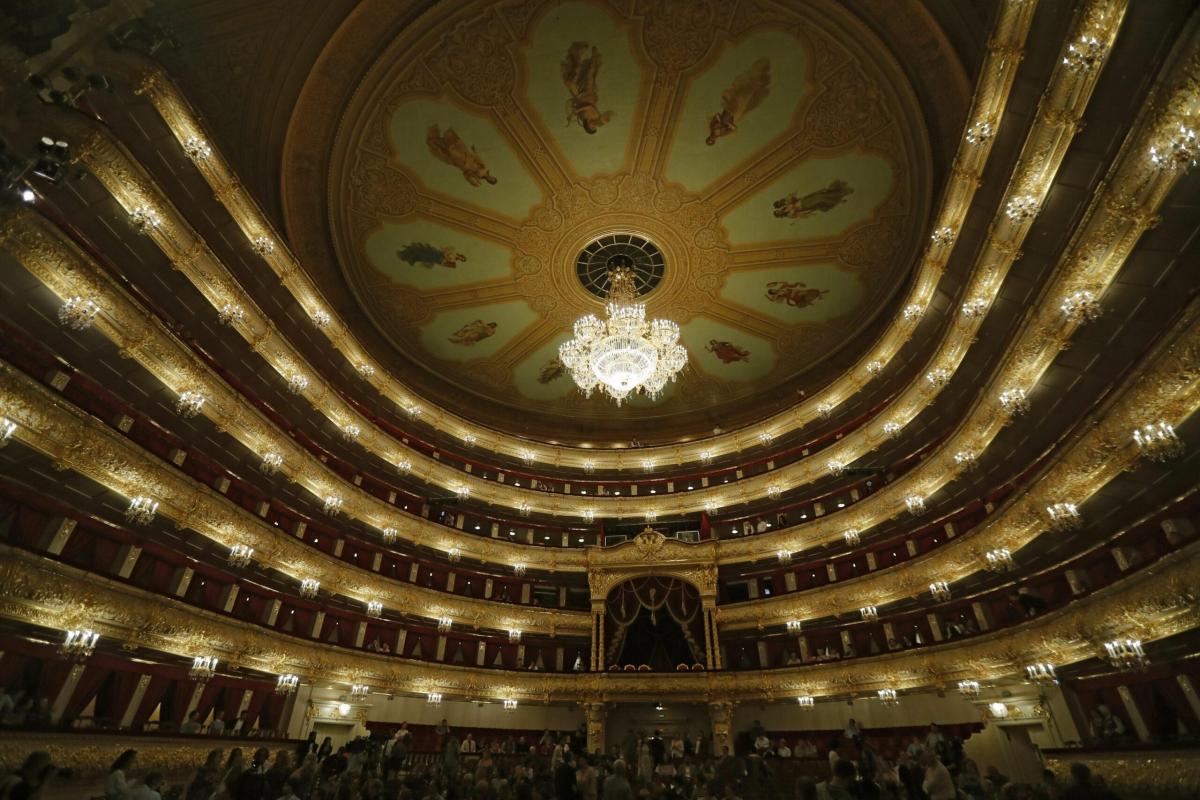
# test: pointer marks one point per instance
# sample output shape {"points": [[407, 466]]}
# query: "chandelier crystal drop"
{"points": [[434, 698], [78, 645], [454, 555], [1158, 441], [141, 510], [524, 509], [203, 668], [650, 516], [519, 569], [189, 404], [589, 466], [78, 313], [624, 353], [1181, 152], [1081, 306], [773, 491], [765, 438], [240, 556], [706, 457], [794, 626], [390, 535], [1126, 654]]}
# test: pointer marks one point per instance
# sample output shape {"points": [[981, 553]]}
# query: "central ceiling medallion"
{"points": [[624, 353], [606, 253]]}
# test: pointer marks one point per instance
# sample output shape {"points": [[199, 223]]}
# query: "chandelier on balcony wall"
{"points": [[624, 353]]}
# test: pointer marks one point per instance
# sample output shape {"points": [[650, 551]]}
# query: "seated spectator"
{"points": [[782, 750], [192, 724], [840, 783], [207, 778], [149, 788], [119, 783], [37, 771]]}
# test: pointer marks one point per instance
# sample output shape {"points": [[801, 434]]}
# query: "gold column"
{"points": [[711, 619], [708, 641], [720, 711], [593, 711]]}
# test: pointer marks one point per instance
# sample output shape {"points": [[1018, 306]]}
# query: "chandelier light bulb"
{"points": [[647, 465], [434, 698], [454, 555], [784, 556], [78, 313], [774, 491], [824, 410], [706, 457], [444, 624], [1158, 441], [1181, 151], [650, 516], [794, 626], [514, 635], [965, 459], [623, 353], [413, 411], [519, 569], [765, 438], [589, 515], [524, 509], [350, 432], [589, 466]]}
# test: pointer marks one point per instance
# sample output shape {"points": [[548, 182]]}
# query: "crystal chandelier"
{"points": [[1179, 153], [77, 313], [1126, 654], [262, 245], [980, 132], [271, 462], [514, 635], [203, 668], [374, 608], [196, 148], [390, 535], [189, 404], [7, 427], [141, 510], [510, 705], [230, 313], [889, 697], [309, 587], [1041, 673], [999, 560], [78, 645], [359, 690], [434, 698], [445, 624], [852, 537], [915, 504], [794, 626], [969, 689], [940, 590], [624, 353], [1064, 517], [806, 701], [240, 556], [333, 505], [1158, 441], [286, 684], [869, 613]]}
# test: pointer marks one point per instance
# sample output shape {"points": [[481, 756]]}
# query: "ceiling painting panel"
{"points": [[427, 256]]}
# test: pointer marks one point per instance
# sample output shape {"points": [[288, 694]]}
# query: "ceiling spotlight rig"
{"points": [[623, 353]]}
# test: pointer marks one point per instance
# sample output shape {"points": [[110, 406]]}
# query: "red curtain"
{"points": [[89, 684], [12, 667], [52, 677], [257, 700], [154, 694]]}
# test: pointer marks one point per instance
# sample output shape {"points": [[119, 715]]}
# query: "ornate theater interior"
{"points": [[762, 377]]}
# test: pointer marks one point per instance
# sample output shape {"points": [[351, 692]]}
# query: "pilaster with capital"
{"points": [[720, 712], [594, 713]]}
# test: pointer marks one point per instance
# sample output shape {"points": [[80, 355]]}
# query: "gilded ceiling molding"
{"points": [[1157, 602], [652, 553], [990, 101], [1045, 146], [75, 440]]}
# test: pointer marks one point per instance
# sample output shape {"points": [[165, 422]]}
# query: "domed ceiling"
{"points": [[771, 161]]}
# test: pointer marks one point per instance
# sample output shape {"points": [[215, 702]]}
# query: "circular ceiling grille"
{"points": [[619, 250]]}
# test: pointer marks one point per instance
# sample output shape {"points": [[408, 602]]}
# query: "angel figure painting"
{"points": [[793, 293], [796, 206], [473, 332], [428, 256], [551, 371], [728, 352], [745, 94], [580, 69], [449, 149]]}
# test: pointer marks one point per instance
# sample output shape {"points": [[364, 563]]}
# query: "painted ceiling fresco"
{"points": [[776, 158]]}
